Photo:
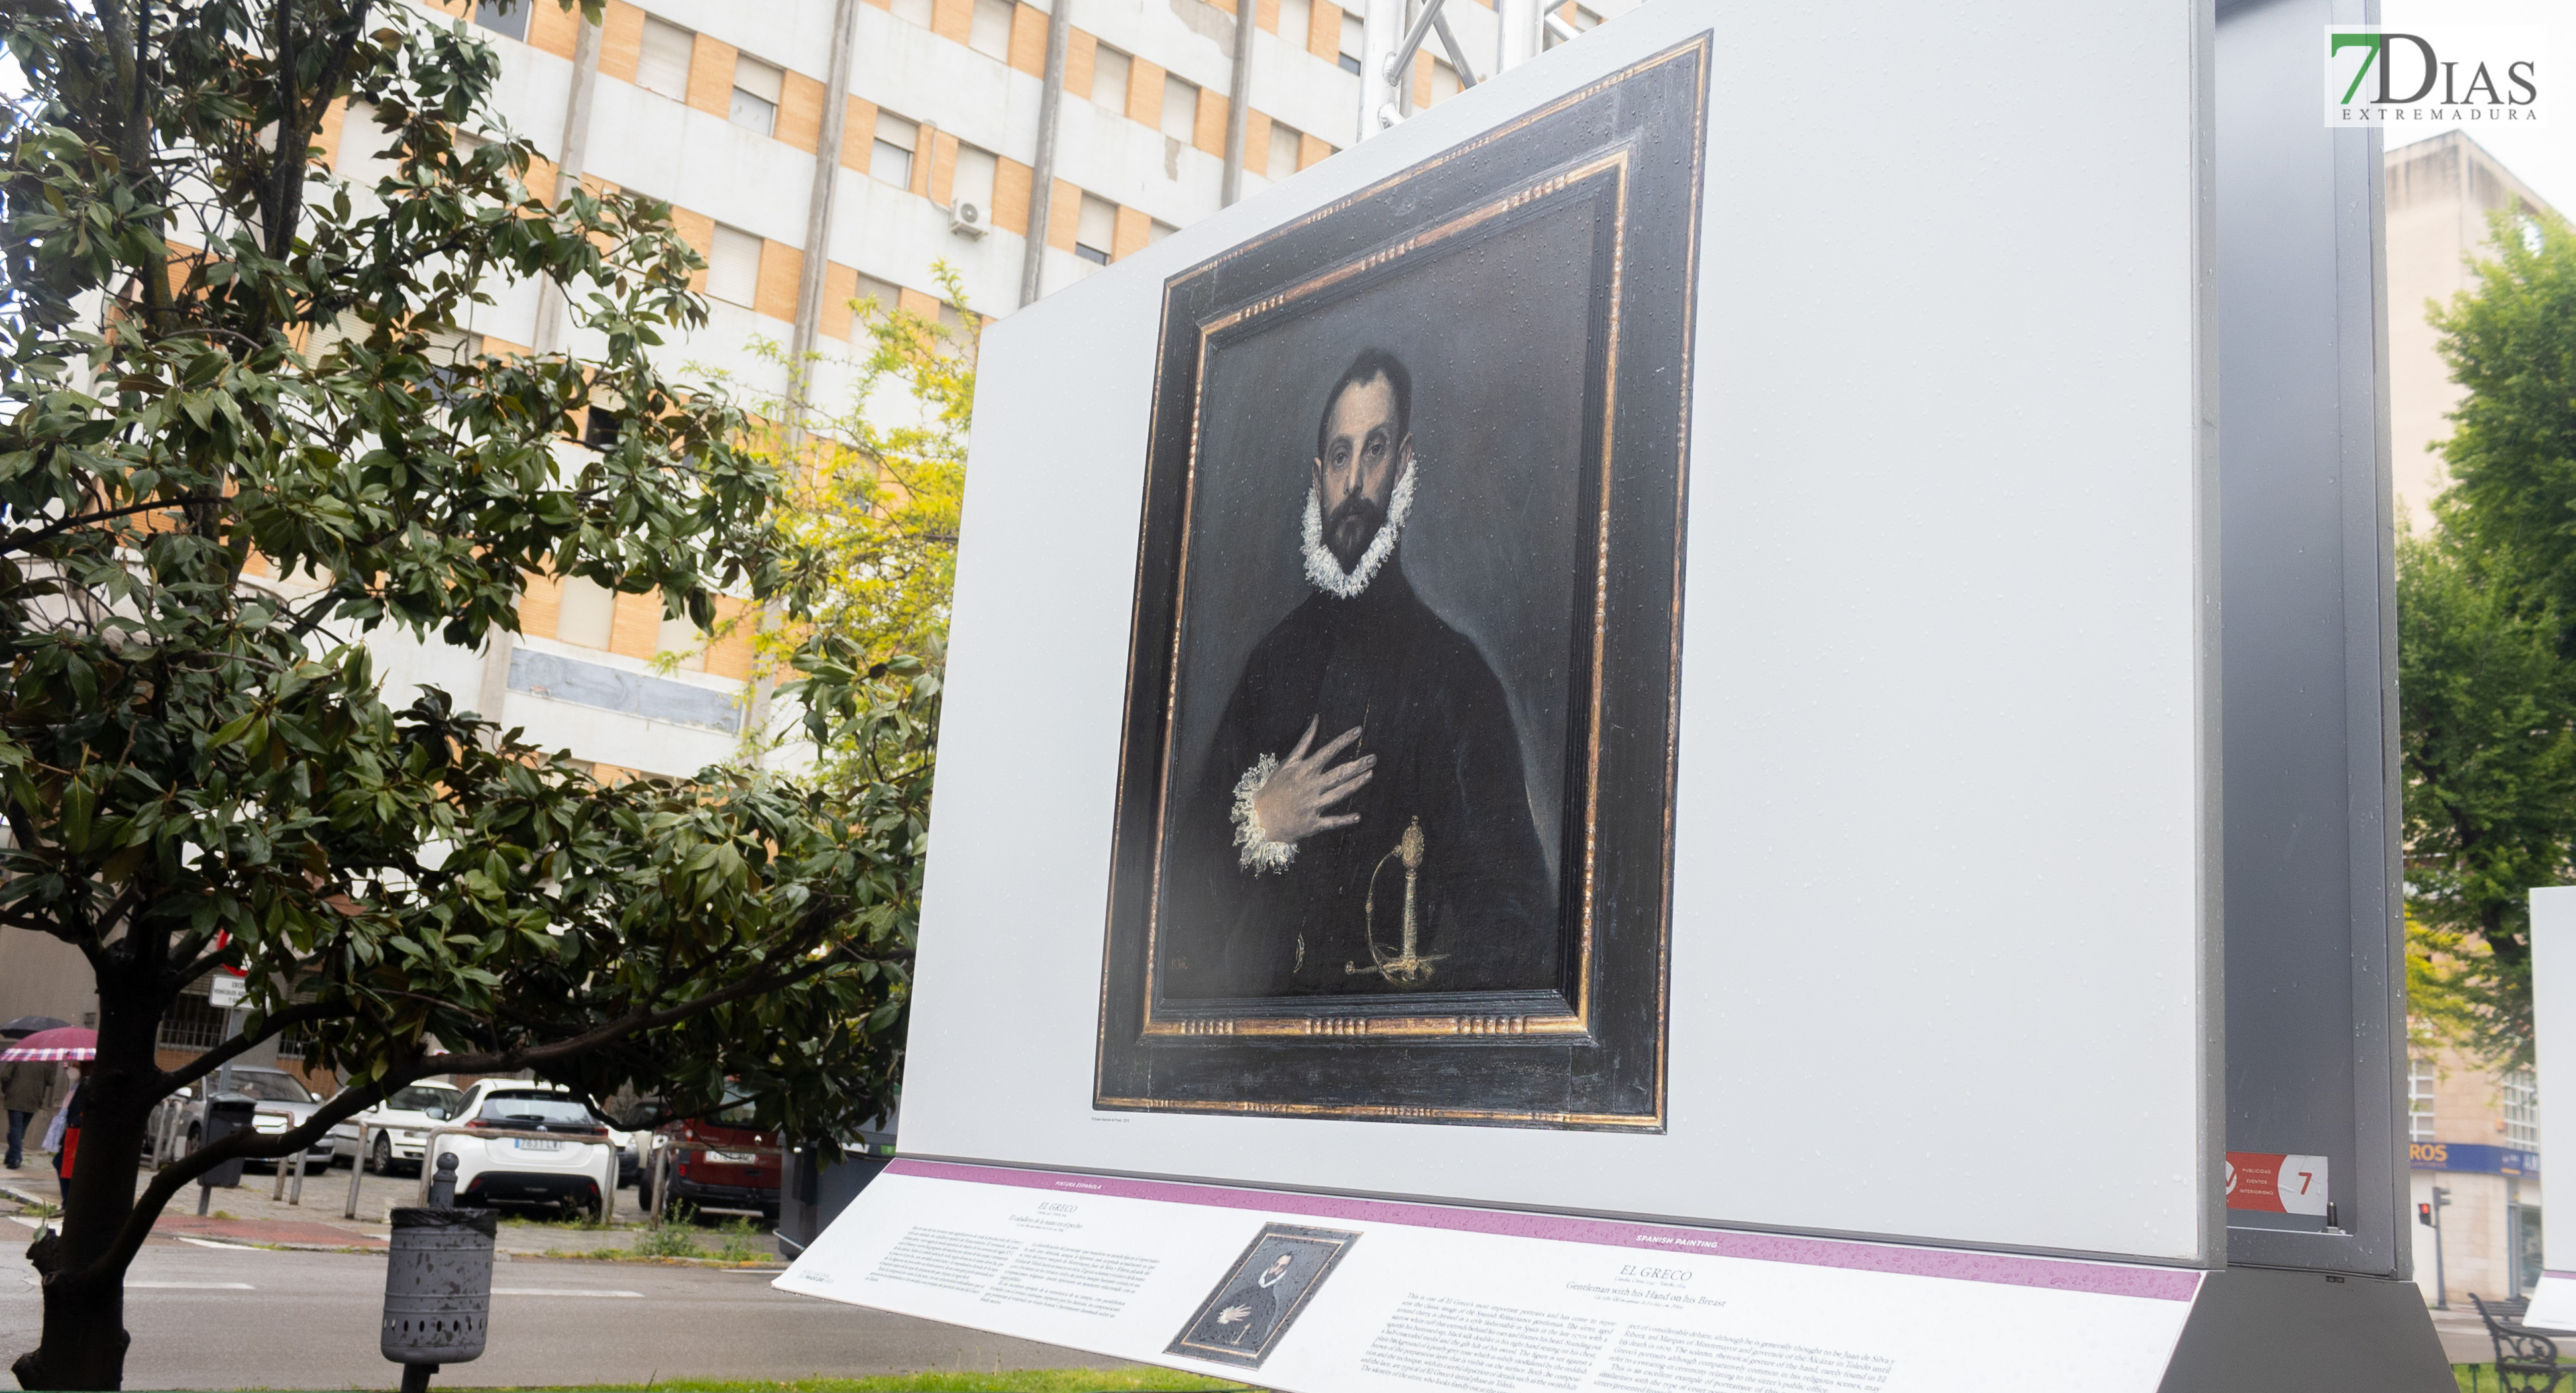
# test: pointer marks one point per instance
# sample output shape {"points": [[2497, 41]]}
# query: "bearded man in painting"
{"points": [[1363, 823]]}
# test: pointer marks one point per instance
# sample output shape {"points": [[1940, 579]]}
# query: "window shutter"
{"points": [[733, 271], [989, 33], [1110, 70], [1180, 109], [663, 64]]}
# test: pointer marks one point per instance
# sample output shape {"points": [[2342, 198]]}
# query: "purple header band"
{"points": [[2054, 1274]]}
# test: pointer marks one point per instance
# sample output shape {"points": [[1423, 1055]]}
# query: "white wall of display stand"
{"points": [[1942, 1031]]}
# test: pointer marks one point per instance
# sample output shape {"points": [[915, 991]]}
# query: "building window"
{"points": [[1354, 43], [192, 1023], [733, 266], [2419, 1100], [989, 32], [1180, 109], [915, 12], [1095, 234], [2521, 1091], [890, 159], [1157, 230], [874, 300], [600, 431], [509, 24], [1444, 81], [1285, 143], [1110, 70], [973, 180], [756, 89], [1296, 22], [681, 639], [662, 65], [585, 612]]}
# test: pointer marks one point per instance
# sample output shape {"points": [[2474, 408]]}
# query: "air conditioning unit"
{"points": [[969, 219]]}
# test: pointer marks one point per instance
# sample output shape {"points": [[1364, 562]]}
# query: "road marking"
{"points": [[190, 1286], [564, 1291], [210, 1243]]}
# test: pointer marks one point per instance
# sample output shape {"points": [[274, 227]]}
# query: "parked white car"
{"points": [[398, 1126], [576, 1168]]}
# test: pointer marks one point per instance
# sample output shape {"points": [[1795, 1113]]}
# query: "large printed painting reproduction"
{"points": [[1395, 804]]}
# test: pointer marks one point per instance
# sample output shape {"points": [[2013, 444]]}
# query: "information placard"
{"points": [[1325, 1294]]}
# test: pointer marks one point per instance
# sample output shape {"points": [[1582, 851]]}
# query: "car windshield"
{"points": [[736, 1112], [269, 1088], [528, 1109], [421, 1097]]}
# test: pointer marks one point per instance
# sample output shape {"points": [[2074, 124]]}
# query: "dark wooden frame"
{"points": [[1592, 1053]]}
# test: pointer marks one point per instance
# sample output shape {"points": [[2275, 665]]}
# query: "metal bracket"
{"points": [[1423, 24]]}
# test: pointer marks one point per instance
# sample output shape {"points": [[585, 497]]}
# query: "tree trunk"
{"points": [[84, 1337]]}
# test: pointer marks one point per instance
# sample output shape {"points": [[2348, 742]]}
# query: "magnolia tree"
{"points": [[223, 362]]}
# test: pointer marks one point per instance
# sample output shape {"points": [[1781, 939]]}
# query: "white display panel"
{"points": [[1937, 961], [2553, 1024], [1368, 1296]]}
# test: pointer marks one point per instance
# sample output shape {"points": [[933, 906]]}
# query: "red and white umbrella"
{"points": [[67, 1042]]}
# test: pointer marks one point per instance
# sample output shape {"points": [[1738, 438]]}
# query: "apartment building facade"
{"points": [[726, 111]]}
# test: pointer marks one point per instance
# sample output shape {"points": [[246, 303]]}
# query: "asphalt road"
{"points": [[254, 1318]]}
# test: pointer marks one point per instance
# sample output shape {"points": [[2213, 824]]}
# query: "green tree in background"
{"points": [[2486, 649], [221, 364]]}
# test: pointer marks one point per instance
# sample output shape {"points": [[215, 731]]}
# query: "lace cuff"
{"points": [[1259, 852]]}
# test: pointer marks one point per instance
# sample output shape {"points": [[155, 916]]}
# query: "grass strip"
{"points": [[1139, 1378]]}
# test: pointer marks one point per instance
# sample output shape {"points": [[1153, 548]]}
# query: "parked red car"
{"points": [[716, 1162]]}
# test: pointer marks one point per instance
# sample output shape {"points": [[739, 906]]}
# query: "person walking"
{"points": [[63, 1138], [26, 1089]]}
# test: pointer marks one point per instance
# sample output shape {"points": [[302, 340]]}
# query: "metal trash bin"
{"points": [[225, 1116], [438, 1288]]}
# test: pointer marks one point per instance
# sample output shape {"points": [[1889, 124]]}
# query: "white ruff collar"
{"points": [[1325, 569]]}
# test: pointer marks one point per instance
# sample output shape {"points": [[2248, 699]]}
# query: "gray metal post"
{"points": [[818, 215], [295, 1187], [357, 1170], [1382, 29], [1238, 109], [2441, 1286], [1516, 33], [571, 151], [1042, 172]]}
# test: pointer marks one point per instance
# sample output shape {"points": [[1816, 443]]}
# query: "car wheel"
{"points": [[195, 1139], [382, 1160]]}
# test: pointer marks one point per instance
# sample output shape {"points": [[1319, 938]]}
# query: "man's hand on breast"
{"points": [[1293, 799]]}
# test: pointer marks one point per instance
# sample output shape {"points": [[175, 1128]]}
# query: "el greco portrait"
{"points": [[1394, 811], [1260, 1295]]}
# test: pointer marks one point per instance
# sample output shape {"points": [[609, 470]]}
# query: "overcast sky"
{"points": [[2542, 157]]}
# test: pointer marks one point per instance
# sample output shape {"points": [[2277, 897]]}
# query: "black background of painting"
{"points": [[1612, 1076], [1495, 336]]}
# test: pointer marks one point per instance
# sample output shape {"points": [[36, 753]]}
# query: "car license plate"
{"points": [[733, 1158], [530, 1144]]}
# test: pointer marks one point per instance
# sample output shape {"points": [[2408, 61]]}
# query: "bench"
{"points": [[2526, 1361]]}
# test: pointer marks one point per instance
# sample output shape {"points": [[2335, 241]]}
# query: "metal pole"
{"points": [[1382, 32], [573, 149], [357, 1170], [818, 217], [1516, 38], [1238, 110], [295, 1191], [1042, 173], [277, 1187], [2441, 1285]]}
